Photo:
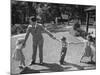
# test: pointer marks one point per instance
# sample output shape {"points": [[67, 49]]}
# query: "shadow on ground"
{"points": [[51, 68], [80, 67], [75, 65], [27, 70]]}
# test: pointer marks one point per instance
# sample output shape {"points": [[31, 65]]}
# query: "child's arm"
{"points": [[75, 42], [58, 40]]}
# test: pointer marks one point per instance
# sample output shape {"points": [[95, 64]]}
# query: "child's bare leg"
{"points": [[23, 62], [91, 58], [82, 58], [20, 65]]}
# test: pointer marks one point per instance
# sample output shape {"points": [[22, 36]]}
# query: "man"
{"points": [[36, 31]]}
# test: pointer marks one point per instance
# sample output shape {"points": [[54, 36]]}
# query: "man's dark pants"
{"points": [[35, 45]]}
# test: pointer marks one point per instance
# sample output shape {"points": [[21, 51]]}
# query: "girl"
{"points": [[18, 54], [88, 49]]}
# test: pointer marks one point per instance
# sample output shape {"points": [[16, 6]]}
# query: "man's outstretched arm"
{"points": [[49, 33], [27, 35]]}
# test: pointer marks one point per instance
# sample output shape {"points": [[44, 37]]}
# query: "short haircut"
{"points": [[63, 39], [33, 18]]}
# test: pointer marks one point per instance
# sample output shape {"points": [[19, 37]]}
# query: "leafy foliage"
{"points": [[21, 11]]}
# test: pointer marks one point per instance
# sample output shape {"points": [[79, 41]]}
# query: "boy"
{"points": [[64, 50]]}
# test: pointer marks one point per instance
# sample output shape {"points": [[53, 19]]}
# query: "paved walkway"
{"points": [[51, 56]]}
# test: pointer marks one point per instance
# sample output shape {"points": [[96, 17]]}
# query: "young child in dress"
{"points": [[18, 54], [88, 50]]}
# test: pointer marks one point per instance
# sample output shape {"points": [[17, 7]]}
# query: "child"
{"points": [[18, 54], [88, 50], [64, 50]]}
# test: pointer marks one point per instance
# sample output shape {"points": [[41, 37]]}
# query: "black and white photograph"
{"points": [[52, 37]]}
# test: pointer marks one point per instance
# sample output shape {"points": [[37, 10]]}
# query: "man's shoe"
{"points": [[41, 63], [32, 63]]}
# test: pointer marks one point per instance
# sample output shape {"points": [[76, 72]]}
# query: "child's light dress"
{"points": [[18, 54], [89, 51]]}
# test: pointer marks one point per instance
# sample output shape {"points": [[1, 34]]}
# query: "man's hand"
{"points": [[56, 39]]}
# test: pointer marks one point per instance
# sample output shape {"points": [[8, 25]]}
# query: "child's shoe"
{"points": [[62, 63], [21, 67]]}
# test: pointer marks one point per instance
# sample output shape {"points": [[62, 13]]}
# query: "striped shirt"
{"points": [[64, 44]]}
